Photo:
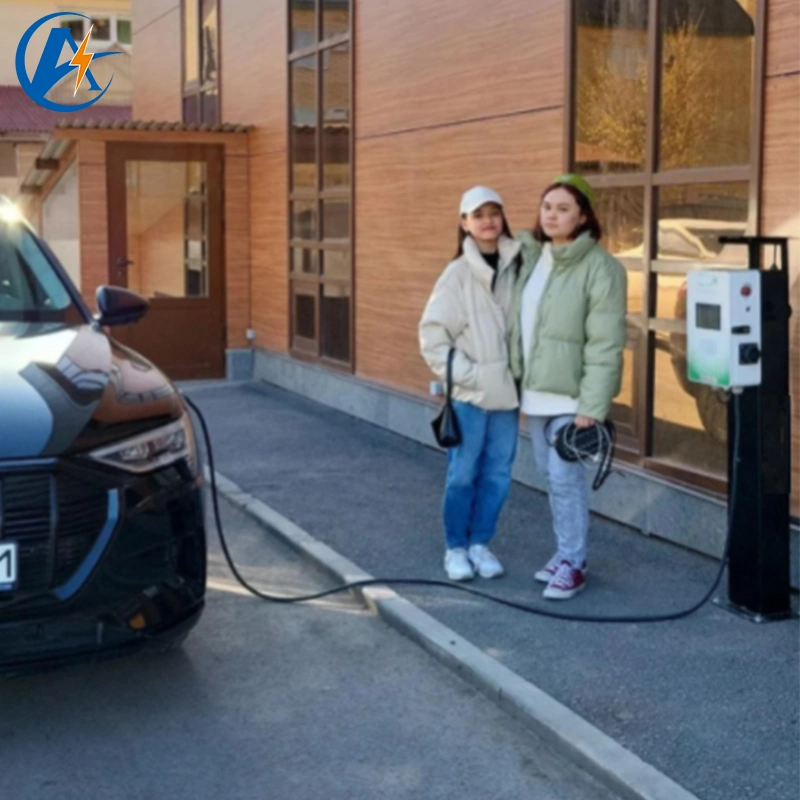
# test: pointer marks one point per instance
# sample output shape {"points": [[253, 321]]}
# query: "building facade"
{"points": [[367, 119]]}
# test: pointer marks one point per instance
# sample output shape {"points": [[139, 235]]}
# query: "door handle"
{"points": [[123, 262]]}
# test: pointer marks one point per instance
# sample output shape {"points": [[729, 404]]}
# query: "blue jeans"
{"points": [[478, 474], [568, 489]]}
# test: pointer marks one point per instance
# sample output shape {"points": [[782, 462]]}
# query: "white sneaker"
{"points": [[485, 561], [457, 565], [548, 571]]}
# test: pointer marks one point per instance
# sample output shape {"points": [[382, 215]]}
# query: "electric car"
{"points": [[102, 537]]}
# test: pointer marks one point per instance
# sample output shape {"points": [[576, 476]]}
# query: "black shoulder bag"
{"points": [[445, 426]]}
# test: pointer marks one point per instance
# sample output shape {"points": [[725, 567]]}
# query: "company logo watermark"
{"points": [[50, 69]]}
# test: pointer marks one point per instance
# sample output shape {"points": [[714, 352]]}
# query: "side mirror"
{"points": [[119, 306]]}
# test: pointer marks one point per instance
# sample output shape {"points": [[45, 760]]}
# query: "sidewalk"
{"points": [[711, 701]]}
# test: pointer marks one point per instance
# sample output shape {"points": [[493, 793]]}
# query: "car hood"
{"points": [[66, 389]]}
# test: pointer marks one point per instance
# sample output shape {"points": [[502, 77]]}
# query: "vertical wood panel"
{"points": [[157, 68], [237, 250], [253, 68], [783, 36], [409, 188], [421, 64], [93, 218], [268, 250]]}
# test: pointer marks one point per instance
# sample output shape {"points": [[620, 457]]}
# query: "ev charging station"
{"points": [[738, 339]]}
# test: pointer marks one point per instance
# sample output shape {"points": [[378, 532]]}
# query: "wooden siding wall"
{"points": [[93, 216], [434, 114], [157, 68], [780, 211], [254, 83]]}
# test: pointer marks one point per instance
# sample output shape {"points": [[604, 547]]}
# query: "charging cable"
{"points": [[528, 609]]}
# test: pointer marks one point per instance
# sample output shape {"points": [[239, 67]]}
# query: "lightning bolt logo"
{"points": [[81, 60]]}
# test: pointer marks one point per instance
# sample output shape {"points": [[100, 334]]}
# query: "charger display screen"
{"points": [[708, 317]]}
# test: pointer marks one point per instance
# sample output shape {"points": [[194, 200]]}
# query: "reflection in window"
{"points": [[335, 17], [208, 19], [611, 85], [692, 218], [304, 123], [706, 83], [690, 420], [201, 61], [101, 29], [304, 220], [167, 228], [336, 118], [191, 44], [621, 215], [303, 24]]}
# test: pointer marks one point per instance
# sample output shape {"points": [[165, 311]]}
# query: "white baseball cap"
{"points": [[475, 197]]}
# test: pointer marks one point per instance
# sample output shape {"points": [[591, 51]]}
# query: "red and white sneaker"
{"points": [[548, 571], [566, 583]]}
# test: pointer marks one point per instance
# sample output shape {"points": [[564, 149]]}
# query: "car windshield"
{"points": [[30, 288]]}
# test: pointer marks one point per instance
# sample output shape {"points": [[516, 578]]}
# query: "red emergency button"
{"points": [[747, 290]]}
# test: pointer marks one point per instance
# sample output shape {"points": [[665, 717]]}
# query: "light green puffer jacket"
{"points": [[580, 329]]}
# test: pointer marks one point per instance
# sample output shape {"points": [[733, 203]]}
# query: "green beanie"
{"points": [[579, 183]]}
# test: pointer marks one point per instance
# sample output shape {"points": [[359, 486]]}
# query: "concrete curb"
{"points": [[600, 755]]}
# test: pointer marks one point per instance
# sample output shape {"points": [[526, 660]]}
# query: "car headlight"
{"points": [[151, 450]]}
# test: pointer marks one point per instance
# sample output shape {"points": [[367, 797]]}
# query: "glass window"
{"points": [[335, 322], [610, 85], [336, 264], [700, 118], [622, 411], [706, 83], [336, 118], [304, 124], [208, 53], [304, 220], [191, 44], [621, 215], [201, 61], [191, 109], [692, 218], [30, 289], [690, 420], [305, 314], [75, 28], [303, 24], [336, 219], [209, 113], [304, 261], [101, 29], [124, 35], [335, 17], [320, 196]]}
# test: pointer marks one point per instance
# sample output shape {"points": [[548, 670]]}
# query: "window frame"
{"points": [[320, 51], [196, 89], [635, 446], [114, 20]]}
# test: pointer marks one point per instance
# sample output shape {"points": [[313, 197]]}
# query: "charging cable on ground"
{"points": [[624, 618]]}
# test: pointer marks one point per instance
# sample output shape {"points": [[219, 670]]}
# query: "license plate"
{"points": [[8, 566]]}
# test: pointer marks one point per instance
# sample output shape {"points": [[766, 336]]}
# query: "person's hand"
{"points": [[584, 422]]}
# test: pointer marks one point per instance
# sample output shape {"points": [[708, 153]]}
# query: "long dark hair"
{"points": [[462, 234], [591, 224]]}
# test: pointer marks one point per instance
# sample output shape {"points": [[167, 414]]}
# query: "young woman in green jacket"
{"points": [[567, 335]]}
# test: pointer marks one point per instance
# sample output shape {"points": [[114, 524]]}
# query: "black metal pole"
{"points": [[759, 562]]}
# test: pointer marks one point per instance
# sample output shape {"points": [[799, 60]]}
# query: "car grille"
{"points": [[55, 519]]}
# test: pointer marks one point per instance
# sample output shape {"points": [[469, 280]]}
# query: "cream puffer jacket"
{"points": [[465, 312]]}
